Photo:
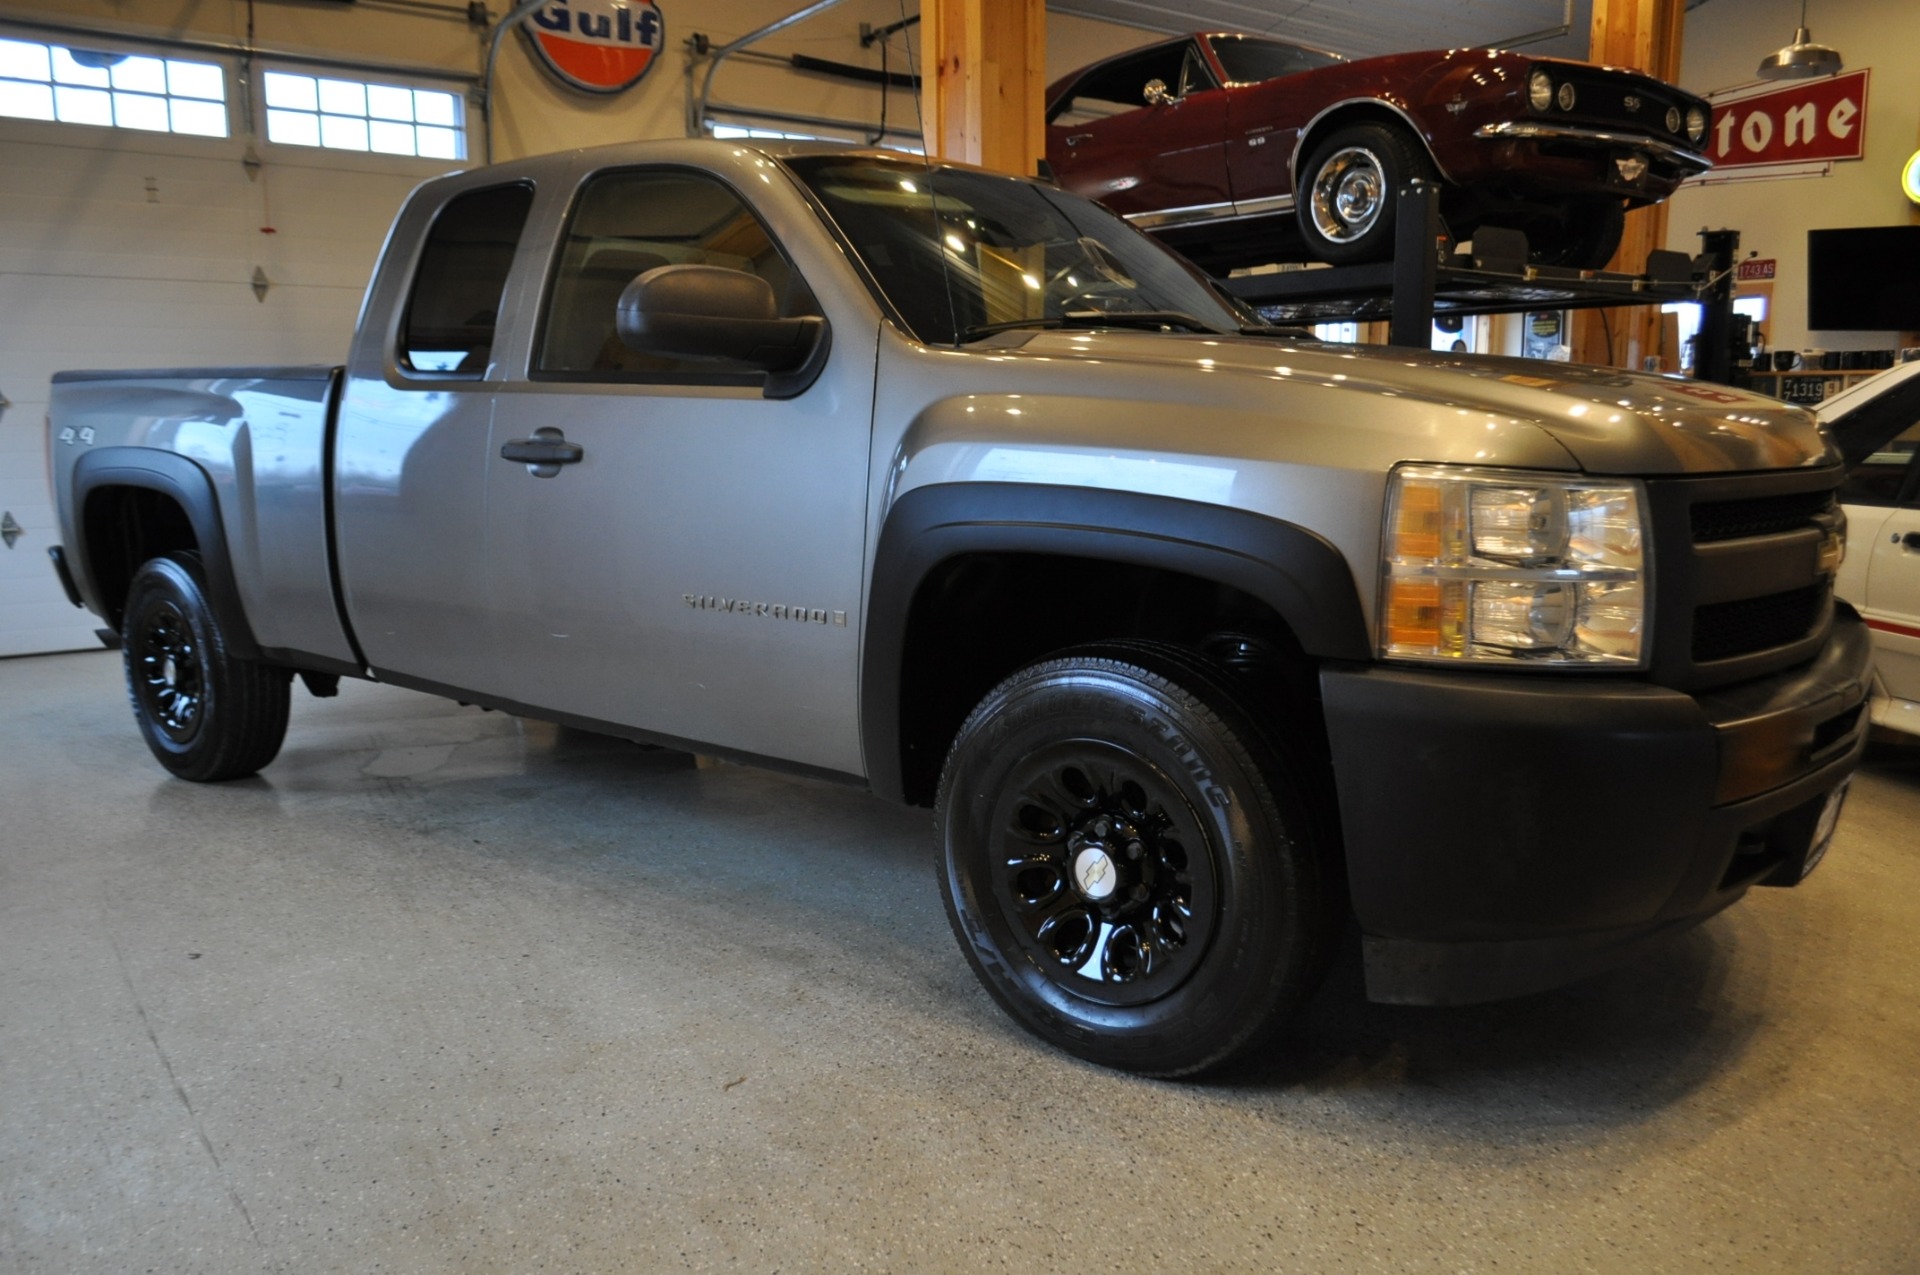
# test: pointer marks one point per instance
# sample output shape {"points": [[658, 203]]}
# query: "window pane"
{"points": [[83, 106], [292, 128], [455, 304], [384, 102], [391, 139], [196, 79], [203, 119], [436, 108], [343, 97], [343, 134], [141, 75], [627, 223], [295, 92], [39, 81], [26, 101], [23, 61], [137, 110], [67, 71], [439, 143]]}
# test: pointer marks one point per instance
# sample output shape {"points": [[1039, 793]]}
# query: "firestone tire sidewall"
{"points": [[1257, 965]]}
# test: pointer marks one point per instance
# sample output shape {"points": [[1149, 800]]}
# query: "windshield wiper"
{"points": [[1151, 320], [979, 330], [1275, 329], [1154, 320]]}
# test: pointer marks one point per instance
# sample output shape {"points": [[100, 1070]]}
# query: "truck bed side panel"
{"points": [[260, 435]]}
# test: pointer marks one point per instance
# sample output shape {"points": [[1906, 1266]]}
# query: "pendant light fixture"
{"points": [[1802, 59]]}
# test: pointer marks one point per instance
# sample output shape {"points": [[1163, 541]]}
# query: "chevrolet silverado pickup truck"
{"points": [[1203, 639]]}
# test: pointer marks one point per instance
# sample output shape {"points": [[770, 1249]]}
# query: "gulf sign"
{"points": [[1808, 122], [597, 46]]}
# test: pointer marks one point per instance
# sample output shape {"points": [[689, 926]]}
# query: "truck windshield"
{"points": [[962, 254]]}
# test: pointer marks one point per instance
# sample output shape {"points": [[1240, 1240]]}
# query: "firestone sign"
{"points": [[1809, 122], [597, 46]]}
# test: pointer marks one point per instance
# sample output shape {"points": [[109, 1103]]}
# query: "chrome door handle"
{"points": [[544, 453], [1078, 138]]}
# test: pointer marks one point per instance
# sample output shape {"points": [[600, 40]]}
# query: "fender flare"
{"points": [[188, 486], [1295, 571]]}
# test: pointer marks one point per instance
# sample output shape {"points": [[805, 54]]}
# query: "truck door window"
{"points": [[627, 223], [455, 303]]}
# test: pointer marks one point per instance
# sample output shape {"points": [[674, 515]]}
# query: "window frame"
{"points": [[112, 46], [750, 378], [264, 111], [397, 352]]}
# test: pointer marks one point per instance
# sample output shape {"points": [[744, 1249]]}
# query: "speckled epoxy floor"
{"points": [[447, 991]]}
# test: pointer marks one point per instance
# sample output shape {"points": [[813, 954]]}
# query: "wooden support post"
{"points": [[1643, 35], [984, 70]]}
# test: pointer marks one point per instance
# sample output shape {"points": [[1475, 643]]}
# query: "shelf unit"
{"points": [[1807, 388], [1494, 279]]}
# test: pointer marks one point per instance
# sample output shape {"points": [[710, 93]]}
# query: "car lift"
{"points": [[1425, 278]]}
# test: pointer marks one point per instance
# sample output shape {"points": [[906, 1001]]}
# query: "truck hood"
{"points": [[1608, 421]]}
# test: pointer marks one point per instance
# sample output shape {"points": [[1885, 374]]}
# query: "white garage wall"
{"points": [[1724, 42], [128, 249]]}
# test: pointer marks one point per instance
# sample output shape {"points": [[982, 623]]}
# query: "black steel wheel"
{"points": [[206, 715], [1347, 191], [1128, 865]]}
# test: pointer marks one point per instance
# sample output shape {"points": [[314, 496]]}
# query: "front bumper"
{"points": [[1506, 834], [1571, 159]]}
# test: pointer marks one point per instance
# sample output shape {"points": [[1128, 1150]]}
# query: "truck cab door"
{"points": [[410, 459], [690, 564]]}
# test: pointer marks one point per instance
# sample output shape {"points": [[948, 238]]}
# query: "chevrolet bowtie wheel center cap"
{"points": [[1095, 875]]}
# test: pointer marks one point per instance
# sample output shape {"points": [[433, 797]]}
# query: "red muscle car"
{"points": [[1236, 149]]}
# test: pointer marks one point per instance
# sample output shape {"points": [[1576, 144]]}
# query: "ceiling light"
{"points": [[1802, 59]]}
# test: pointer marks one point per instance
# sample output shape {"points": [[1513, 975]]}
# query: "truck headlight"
{"points": [[1696, 124], [1488, 566]]}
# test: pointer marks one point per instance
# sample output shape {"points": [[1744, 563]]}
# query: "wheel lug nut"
{"points": [[1135, 849], [1139, 893]]}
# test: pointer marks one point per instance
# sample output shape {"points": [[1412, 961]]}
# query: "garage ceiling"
{"points": [[1359, 28]]}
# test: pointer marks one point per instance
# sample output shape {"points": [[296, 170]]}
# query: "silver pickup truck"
{"points": [[1201, 637]]}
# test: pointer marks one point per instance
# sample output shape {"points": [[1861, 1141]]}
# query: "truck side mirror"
{"points": [[709, 312], [1157, 95]]}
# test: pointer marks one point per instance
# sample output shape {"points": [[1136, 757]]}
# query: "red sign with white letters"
{"points": [[1756, 269], [1807, 122]]}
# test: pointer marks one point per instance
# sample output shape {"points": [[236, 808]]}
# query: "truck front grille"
{"points": [[1724, 630], [1739, 593], [1758, 516]]}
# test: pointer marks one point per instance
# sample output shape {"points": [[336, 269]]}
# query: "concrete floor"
{"points": [[448, 991]]}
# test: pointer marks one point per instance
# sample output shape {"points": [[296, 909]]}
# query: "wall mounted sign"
{"points": [[597, 46], [1756, 269], [1910, 178], [1807, 121]]}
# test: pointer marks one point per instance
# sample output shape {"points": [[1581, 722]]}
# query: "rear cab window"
{"points": [[453, 309]]}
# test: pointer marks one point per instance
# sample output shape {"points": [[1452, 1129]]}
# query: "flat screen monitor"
{"points": [[1864, 279]]}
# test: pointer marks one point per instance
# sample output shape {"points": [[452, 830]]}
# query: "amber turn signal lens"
{"points": [[1413, 614], [1416, 532]]}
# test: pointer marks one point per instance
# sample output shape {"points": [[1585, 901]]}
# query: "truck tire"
{"points": [[1349, 188], [206, 715], [1127, 863]]}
